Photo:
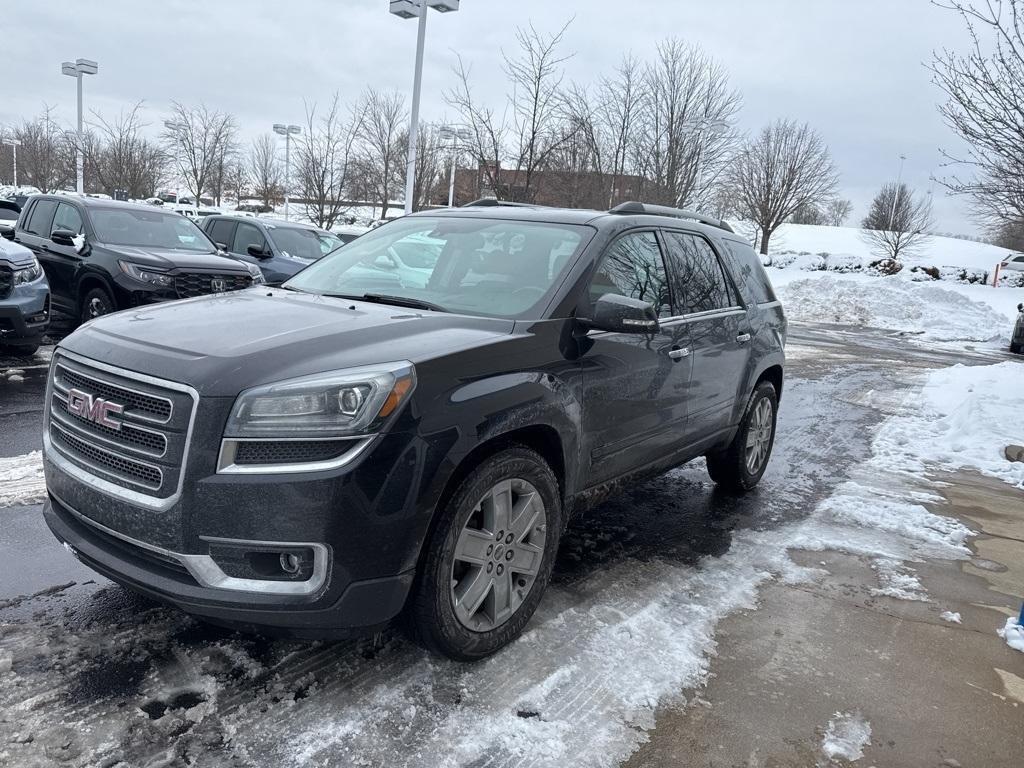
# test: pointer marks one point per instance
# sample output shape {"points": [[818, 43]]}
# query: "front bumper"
{"points": [[25, 313]]}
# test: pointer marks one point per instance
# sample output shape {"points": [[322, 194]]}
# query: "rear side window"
{"points": [[698, 274], [41, 217], [751, 272], [632, 266]]}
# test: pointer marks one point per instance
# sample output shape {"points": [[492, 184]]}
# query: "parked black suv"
{"points": [[318, 457], [102, 255], [1017, 337], [279, 248]]}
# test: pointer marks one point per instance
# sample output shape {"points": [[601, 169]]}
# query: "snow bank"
{"points": [[21, 480], [846, 736], [933, 313], [1013, 634]]}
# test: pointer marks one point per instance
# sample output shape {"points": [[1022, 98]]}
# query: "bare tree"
{"points": [[382, 145], [1009, 234], [488, 131], [837, 212], [984, 96], [897, 221], [620, 105], [686, 92], [323, 161], [431, 157], [45, 156], [265, 169], [199, 145], [782, 168], [812, 213], [120, 159]]}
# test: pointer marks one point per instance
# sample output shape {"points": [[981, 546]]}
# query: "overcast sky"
{"points": [[854, 69]]}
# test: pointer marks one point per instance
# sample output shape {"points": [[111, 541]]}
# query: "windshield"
{"points": [[476, 266], [148, 229], [302, 243]]}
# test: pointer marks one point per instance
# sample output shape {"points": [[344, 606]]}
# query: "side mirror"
{"points": [[621, 314], [7, 231], [383, 262], [1020, 307], [257, 252], [63, 237], [221, 247]]}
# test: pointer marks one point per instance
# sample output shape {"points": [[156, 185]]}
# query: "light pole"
{"points": [[896, 194], [701, 127], [455, 133], [14, 144], [76, 69], [411, 9], [176, 128], [287, 131]]}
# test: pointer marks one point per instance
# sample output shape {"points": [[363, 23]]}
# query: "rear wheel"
{"points": [[739, 467], [96, 303], [490, 557]]}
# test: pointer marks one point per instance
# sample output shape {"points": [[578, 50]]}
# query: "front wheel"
{"points": [[489, 558], [739, 467], [20, 350], [1016, 348], [96, 303]]}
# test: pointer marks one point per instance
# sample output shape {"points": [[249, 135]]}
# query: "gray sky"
{"points": [[852, 68]]}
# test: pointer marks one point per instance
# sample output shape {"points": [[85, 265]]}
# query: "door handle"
{"points": [[679, 354], [743, 338]]}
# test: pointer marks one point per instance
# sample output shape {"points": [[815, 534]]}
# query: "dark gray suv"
{"points": [[321, 457]]}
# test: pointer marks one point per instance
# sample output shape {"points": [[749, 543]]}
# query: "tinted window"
{"points": [[220, 231], [751, 272], [68, 218], [698, 274], [632, 266], [247, 235], [41, 218]]}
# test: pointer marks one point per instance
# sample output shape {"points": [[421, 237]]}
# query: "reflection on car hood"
{"points": [[169, 258]]}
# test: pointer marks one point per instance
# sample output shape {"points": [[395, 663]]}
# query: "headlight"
{"points": [[146, 274], [28, 274], [256, 273], [335, 404]]}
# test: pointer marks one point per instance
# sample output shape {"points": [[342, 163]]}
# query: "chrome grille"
{"points": [[202, 284], [143, 450], [6, 282]]}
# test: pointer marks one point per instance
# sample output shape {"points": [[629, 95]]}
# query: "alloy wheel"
{"points": [[498, 555], [759, 435]]}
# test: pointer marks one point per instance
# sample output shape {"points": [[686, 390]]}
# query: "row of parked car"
{"points": [[85, 257]]}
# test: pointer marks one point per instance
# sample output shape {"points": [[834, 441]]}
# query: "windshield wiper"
{"points": [[398, 301]]}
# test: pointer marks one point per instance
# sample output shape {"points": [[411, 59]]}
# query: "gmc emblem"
{"points": [[94, 409], [218, 285]]}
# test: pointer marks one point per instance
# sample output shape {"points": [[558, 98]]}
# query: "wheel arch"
{"points": [[89, 280]]}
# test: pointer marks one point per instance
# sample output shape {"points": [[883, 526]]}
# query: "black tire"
{"points": [[20, 350], [96, 303], [432, 615], [730, 468], [1016, 348]]}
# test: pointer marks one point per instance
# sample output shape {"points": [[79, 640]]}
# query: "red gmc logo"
{"points": [[95, 409]]}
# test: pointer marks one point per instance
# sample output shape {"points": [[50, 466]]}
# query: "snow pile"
{"points": [[922, 309], [1013, 633], [21, 480], [897, 581], [846, 736], [951, 616]]}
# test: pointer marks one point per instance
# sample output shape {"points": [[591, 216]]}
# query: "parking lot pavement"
{"points": [[681, 628]]}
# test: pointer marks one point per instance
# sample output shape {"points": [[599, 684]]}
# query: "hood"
{"points": [[226, 343], [168, 258], [14, 254]]}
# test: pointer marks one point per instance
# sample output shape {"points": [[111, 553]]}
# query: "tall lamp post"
{"points": [[77, 69], [701, 128], [412, 9], [14, 144], [287, 131], [455, 133], [176, 128], [896, 194]]}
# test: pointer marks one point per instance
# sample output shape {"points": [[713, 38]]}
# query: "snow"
{"points": [[21, 480], [846, 736], [1013, 633], [897, 581], [951, 616]]}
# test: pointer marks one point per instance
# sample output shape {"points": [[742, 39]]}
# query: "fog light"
{"points": [[289, 563]]}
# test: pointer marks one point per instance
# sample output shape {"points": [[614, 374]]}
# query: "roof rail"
{"points": [[633, 207], [490, 202]]}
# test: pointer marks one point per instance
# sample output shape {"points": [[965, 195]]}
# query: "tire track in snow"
{"points": [[21, 480]]}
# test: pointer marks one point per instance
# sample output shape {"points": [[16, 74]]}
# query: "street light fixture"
{"points": [[14, 144], [702, 127], [455, 133], [76, 69], [896, 194], [411, 9], [287, 131], [176, 127]]}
